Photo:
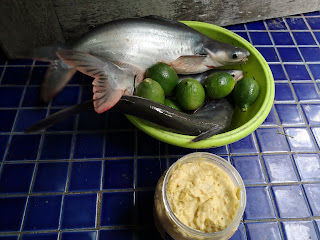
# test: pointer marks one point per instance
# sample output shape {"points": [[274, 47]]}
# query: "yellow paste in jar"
{"points": [[202, 196]]}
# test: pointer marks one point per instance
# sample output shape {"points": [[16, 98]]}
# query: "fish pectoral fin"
{"points": [[110, 81], [189, 64], [207, 134]]}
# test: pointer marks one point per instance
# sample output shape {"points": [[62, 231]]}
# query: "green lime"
{"points": [[150, 89], [190, 94], [219, 85], [165, 75], [245, 93], [173, 104]]}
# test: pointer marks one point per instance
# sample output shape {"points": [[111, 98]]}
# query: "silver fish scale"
{"points": [[157, 43]]}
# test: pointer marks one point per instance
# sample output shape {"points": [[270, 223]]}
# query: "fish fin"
{"points": [[45, 53], [110, 81], [59, 116], [207, 134], [188, 64], [57, 76]]}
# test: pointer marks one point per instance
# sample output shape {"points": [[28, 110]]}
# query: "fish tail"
{"points": [[57, 75], [110, 81], [207, 134]]}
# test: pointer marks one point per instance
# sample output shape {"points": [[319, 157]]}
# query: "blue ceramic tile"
{"points": [[119, 144], [51, 177], [23, 147], [37, 75], [308, 166], [7, 120], [249, 168], [218, 150], [16, 178], [91, 121], [84, 235], [268, 53], [67, 124], [32, 98], [289, 54], [67, 97], [289, 114], [89, 145], [243, 35], [300, 229], [149, 171], [313, 195], [314, 23], [315, 71], [287, 198], [259, 25], [317, 35], [304, 38], [263, 230], [276, 24], [245, 145], [306, 92], [174, 150], [42, 213], [14, 62], [9, 237], [40, 236], [240, 234], [85, 176], [300, 139], [271, 119], [236, 27], [310, 54], [79, 211], [87, 93], [56, 146], [296, 23], [316, 13], [277, 72], [144, 204], [41, 63], [279, 168], [11, 209], [262, 210], [316, 133], [260, 38], [297, 72], [10, 96], [77, 78], [312, 113], [15, 76], [3, 145], [148, 146], [282, 38], [148, 233], [116, 120], [28, 117], [117, 209], [283, 92], [118, 174], [271, 141], [119, 234]]}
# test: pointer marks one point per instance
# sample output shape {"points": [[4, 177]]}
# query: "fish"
{"points": [[213, 118], [133, 44], [201, 77]]}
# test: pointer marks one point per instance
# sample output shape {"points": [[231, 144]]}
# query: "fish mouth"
{"points": [[244, 59]]}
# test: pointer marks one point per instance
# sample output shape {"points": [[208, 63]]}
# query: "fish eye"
{"points": [[233, 75], [234, 55]]}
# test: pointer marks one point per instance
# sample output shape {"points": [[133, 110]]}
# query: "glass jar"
{"points": [[170, 227]]}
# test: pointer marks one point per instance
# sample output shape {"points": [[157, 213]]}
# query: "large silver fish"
{"points": [[214, 117], [133, 45]]}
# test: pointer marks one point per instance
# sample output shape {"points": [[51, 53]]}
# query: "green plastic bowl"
{"points": [[243, 123]]}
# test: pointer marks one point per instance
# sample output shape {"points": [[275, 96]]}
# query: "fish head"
{"points": [[236, 74], [227, 56]]}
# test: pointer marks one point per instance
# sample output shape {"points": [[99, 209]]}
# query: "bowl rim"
{"points": [[226, 137]]}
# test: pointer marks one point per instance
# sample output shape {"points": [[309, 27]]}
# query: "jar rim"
{"points": [[232, 173]]}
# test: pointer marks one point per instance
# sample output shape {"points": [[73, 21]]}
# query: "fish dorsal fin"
{"points": [[109, 82], [165, 20]]}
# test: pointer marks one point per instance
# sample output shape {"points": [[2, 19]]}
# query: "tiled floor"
{"points": [[93, 177]]}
